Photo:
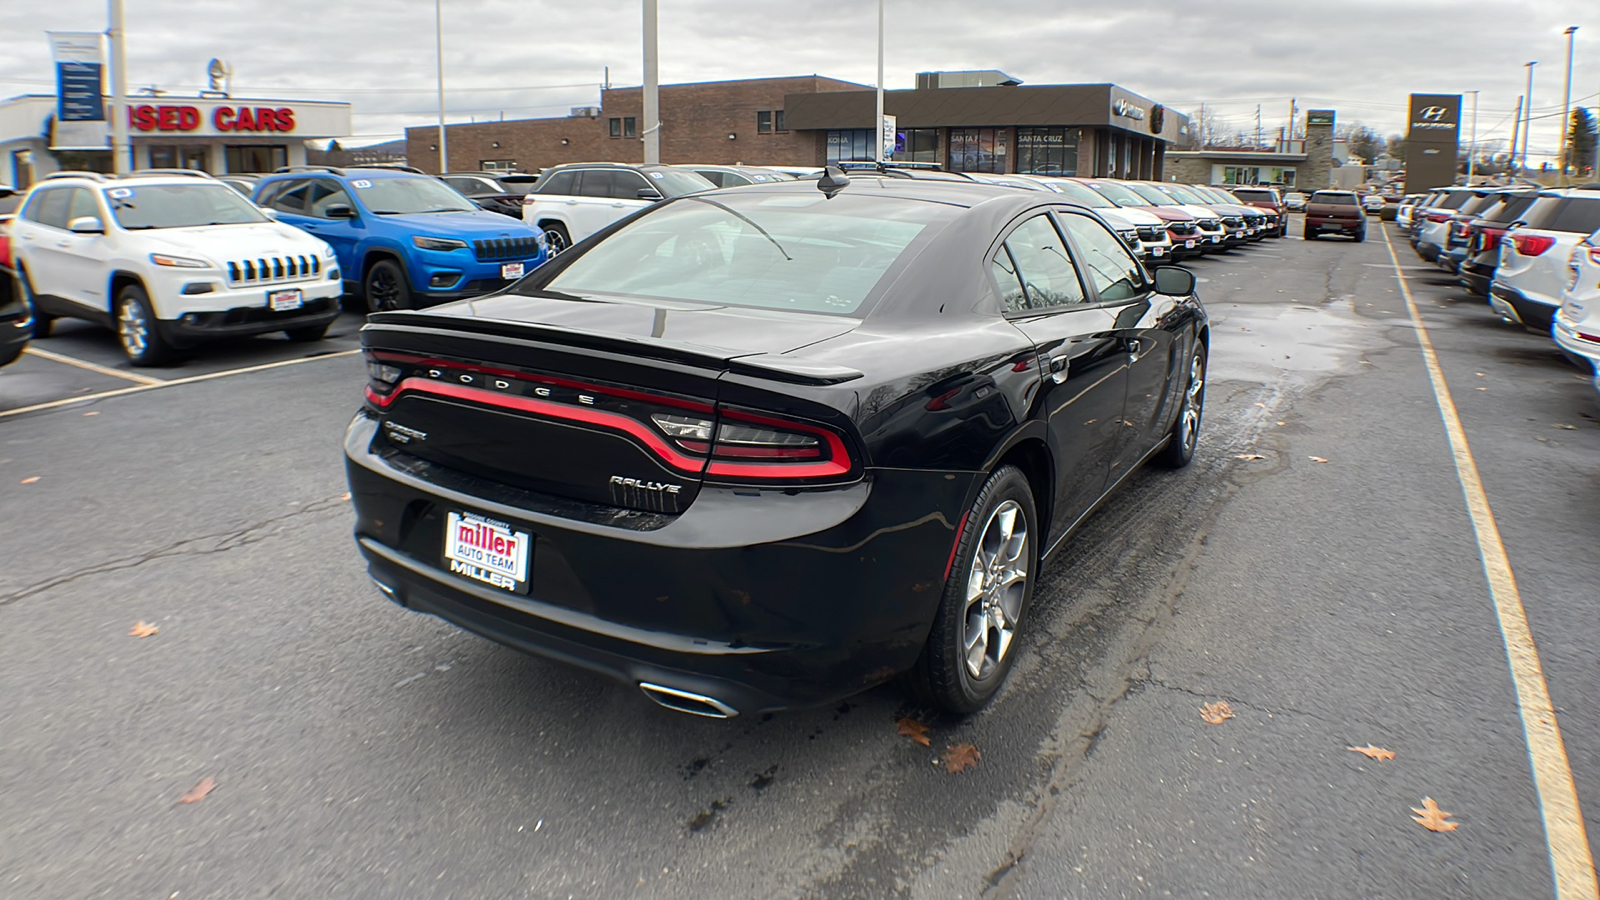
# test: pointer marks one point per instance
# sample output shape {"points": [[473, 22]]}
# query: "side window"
{"points": [[596, 183], [1046, 270], [49, 207], [713, 176], [627, 185], [83, 204], [464, 185], [291, 197], [1004, 270], [325, 194], [1116, 275], [560, 183]]}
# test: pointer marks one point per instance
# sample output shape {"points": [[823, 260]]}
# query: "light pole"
{"points": [[438, 49], [1566, 111], [1472, 144], [652, 88], [121, 152], [1527, 117], [877, 125]]}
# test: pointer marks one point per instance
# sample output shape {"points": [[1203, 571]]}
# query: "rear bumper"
{"points": [[1577, 349], [1518, 307], [760, 599], [1475, 276], [1429, 252]]}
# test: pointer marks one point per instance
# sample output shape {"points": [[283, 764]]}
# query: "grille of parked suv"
{"points": [[271, 269], [1151, 232], [1129, 237], [1182, 228], [1233, 221], [1209, 224], [506, 248]]}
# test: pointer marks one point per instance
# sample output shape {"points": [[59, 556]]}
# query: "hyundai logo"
{"points": [[1433, 114], [1124, 108]]}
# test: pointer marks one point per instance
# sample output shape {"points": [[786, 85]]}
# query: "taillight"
{"points": [[1437, 217], [1488, 240], [1532, 244], [1594, 255]]}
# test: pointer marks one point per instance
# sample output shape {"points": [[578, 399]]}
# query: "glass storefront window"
{"points": [[917, 145], [257, 157], [1047, 151], [978, 150], [848, 145], [1253, 175], [178, 157]]}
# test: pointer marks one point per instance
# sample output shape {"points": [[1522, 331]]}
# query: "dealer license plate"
{"points": [[1158, 251], [1188, 245], [284, 301], [487, 550], [511, 271]]}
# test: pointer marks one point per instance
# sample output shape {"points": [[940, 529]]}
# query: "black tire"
{"points": [[942, 675], [1360, 235], [42, 323], [1311, 235], [137, 330], [556, 237], [386, 287], [1185, 433], [307, 334]]}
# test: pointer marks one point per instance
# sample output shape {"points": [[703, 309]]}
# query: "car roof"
{"points": [[953, 193]]}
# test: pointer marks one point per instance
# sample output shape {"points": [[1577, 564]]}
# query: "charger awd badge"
{"points": [[400, 434]]}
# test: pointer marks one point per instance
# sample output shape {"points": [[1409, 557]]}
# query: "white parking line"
{"points": [[193, 379], [89, 366], [1570, 861]]}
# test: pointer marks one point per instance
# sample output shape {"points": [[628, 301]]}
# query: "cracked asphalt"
{"points": [[363, 751]]}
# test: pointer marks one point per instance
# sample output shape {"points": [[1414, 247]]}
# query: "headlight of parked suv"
{"points": [[180, 262], [327, 251], [437, 243]]}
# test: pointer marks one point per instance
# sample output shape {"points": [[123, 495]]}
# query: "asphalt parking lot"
{"points": [[1319, 569]]}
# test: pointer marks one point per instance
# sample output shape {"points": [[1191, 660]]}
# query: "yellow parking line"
{"points": [[89, 366], [1570, 859], [138, 389]]}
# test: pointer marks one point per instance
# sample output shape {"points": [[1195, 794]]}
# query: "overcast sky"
{"points": [[526, 59]]}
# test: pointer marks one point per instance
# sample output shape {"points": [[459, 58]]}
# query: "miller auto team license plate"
{"points": [[511, 271], [487, 550], [284, 301]]}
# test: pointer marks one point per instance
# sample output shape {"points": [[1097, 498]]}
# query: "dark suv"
{"points": [[1336, 212], [1264, 197]]}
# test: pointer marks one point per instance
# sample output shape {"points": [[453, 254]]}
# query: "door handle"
{"points": [[1060, 365], [1134, 346]]}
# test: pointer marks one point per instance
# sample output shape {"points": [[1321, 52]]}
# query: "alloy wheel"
{"points": [[383, 292], [555, 240], [996, 586], [1193, 398], [133, 329]]}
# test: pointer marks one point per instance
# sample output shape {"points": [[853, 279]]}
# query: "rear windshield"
{"points": [[1256, 194], [1479, 204], [788, 251], [180, 206], [1578, 214], [1333, 198], [1450, 200], [1510, 209]]}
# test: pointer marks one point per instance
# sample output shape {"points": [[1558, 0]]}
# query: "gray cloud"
{"points": [[1361, 57]]}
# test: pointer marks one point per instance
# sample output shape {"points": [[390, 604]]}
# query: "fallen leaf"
{"points": [[143, 629], [345, 497], [1377, 753], [1316, 459], [913, 729], [1283, 423], [199, 791], [1561, 425], [92, 412], [1262, 405], [1249, 456], [30, 480], [959, 757], [1216, 713], [1431, 817], [1483, 389]]}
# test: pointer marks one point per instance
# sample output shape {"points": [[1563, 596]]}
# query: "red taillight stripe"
{"points": [[837, 464], [956, 545], [599, 417]]}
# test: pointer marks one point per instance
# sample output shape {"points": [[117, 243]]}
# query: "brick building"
{"points": [[966, 121]]}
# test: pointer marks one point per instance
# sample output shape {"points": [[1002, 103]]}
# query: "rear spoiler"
{"points": [[768, 366]]}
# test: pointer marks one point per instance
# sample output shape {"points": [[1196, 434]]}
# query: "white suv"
{"points": [[168, 259], [1536, 253], [573, 201], [1577, 325]]}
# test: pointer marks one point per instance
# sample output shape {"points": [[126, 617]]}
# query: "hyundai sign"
{"points": [[1432, 141]]}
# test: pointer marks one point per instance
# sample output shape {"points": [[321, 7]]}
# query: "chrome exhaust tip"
{"points": [[388, 592], [686, 702]]}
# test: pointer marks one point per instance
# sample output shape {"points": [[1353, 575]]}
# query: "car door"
{"points": [[1146, 324], [592, 206], [1082, 361], [85, 270], [34, 236], [342, 233]]}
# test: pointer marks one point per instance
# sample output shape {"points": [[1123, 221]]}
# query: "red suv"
{"points": [[1264, 197]]}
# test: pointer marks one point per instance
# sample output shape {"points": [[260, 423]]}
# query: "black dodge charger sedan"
{"points": [[771, 446]]}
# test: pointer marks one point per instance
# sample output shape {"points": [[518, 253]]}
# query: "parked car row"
{"points": [[1534, 253]]}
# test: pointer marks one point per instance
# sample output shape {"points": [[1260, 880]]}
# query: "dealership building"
{"points": [[213, 133], [979, 121]]}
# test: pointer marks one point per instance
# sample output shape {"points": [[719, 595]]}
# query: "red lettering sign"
{"points": [[223, 118], [163, 118]]}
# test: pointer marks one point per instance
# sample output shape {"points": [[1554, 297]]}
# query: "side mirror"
{"points": [[268, 211], [86, 225], [1174, 281], [339, 211], [648, 193]]}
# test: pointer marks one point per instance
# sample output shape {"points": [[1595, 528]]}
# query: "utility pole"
{"points": [[1527, 121], [1566, 112], [652, 88], [877, 124], [1293, 111], [1258, 125], [1472, 144], [121, 151], [1516, 130], [438, 50]]}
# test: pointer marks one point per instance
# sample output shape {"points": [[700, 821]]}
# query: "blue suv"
{"points": [[403, 239]]}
